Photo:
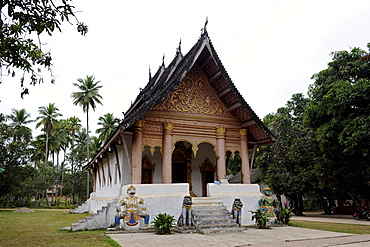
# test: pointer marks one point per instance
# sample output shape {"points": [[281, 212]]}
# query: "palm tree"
{"points": [[108, 124], [60, 140], [19, 118], [96, 144], [73, 125], [87, 97], [48, 116]]}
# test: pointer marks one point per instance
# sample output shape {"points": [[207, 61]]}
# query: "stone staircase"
{"points": [[103, 219], [210, 215]]}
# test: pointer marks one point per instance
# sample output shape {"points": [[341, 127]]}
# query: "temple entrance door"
{"points": [[207, 170], [179, 174], [181, 164], [147, 171]]}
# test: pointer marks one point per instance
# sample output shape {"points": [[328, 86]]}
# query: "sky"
{"points": [[270, 49]]}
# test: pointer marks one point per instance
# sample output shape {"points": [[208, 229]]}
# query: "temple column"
{"points": [[220, 142], [167, 153], [137, 152], [244, 156]]}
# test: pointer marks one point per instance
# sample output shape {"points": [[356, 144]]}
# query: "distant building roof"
{"points": [[237, 178]]}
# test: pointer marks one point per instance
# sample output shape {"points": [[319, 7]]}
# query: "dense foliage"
{"points": [[339, 114], [288, 165], [323, 141], [48, 165]]}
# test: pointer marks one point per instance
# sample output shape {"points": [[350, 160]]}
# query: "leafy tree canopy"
{"points": [[288, 164], [339, 113], [22, 23]]}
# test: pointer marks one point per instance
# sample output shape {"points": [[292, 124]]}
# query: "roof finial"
{"points": [[163, 60], [150, 73], [204, 29], [179, 48]]}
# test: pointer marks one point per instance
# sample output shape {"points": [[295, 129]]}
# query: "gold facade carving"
{"points": [[168, 126], [139, 125], [220, 130], [153, 128], [243, 132], [152, 143], [194, 96], [195, 150]]}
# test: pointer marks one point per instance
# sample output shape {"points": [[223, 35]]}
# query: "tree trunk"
{"points": [[47, 148], [88, 154]]}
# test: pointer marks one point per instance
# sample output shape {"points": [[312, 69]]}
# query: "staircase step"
{"points": [[207, 208], [212, 226], [210, 212], [212, 216], [197, 200], [206, 204], [215, 222], [220, 230]]}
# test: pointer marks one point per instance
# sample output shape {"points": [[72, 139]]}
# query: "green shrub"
{"points": [[285, 215], [261, 216], [162, 223]]}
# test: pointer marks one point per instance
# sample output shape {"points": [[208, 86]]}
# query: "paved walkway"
{"points": [[277, 236]]}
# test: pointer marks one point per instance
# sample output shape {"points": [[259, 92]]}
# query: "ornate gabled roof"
{"points": [[166, 79]]}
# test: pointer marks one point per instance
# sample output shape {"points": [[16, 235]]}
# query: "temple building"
{"points": [[174, 138]]}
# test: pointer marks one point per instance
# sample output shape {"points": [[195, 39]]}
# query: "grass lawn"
{"points": [[333, 227], [41, 229]]}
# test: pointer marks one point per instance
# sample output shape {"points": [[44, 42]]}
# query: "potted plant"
{"points": [[162, 223], [261, 216]]}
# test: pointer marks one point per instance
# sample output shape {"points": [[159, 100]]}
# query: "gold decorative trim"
{"points": [[195, 150], [243, 132], [220, 130], [168, 126], [138, 126]]}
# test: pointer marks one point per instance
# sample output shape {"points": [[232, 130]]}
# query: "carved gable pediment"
{"points": [[194, 96]]}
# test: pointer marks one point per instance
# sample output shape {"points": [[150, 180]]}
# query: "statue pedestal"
{"points": [[160, 198]]}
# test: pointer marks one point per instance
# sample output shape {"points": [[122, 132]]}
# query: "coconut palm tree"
{"points": [[19, 118], [48, 116], [108, 124], [87, 98], [59, 140], [73, 125], [96, 144]]}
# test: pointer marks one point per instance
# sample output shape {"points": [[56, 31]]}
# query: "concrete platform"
{"points": [[276, 236]]}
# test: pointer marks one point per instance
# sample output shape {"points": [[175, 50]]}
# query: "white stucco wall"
{"points": [[125, 166], [249, 194], [111, 189], [161, 198]]}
